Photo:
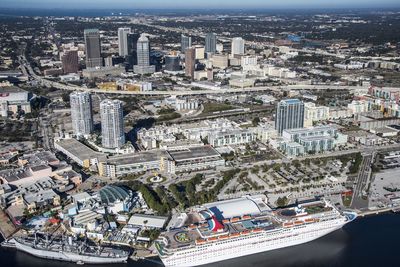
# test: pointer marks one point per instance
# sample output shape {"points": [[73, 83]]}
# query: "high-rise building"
{"points": [[237, 46], [289, 115], [123, 41], [186, 42], [112, 123], [200, 52], [172, 63], [81, 113], [211, 43], [70, 61], [132, 49], [143, 56], [190, 61], [93, 48]]}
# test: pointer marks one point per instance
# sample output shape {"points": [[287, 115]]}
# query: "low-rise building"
{"points": [[78, 152], [14, 100], [191, 159], [312, 139], [231, 137]]}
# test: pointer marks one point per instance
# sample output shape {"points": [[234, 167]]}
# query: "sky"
{"points": [[174, 4]]}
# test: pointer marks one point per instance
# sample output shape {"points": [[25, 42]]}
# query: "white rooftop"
{"points": [[237, 207], [147, 220]]}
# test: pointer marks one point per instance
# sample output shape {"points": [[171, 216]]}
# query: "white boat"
{"points": [[239, 227]]}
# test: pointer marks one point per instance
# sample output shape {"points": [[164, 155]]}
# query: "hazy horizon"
{"points": [[204, 4]]}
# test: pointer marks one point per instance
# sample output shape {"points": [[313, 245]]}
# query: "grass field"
{"points": [[213, 107]]}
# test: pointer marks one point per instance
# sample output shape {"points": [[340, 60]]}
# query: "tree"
{"points": [[256, 121]]}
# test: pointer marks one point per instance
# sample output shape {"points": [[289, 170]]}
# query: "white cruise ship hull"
{"points": [[263, 242], [65, 256]]}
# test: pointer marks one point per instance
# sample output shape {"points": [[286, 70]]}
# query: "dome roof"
{"points": [[111, 193]]}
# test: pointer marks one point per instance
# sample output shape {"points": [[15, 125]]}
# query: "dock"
{"points": [[376, 212]]}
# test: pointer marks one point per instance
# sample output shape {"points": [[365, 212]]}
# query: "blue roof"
{"points": [[292, 101]]}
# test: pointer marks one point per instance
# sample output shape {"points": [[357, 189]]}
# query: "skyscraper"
{"points": [[81, 113], [70, 61], [190, 60], [172, 63], [289, 115], [93, 48], [112, 123], [186, 42], [143, 56], [132, 49], [123, 41], [211, 43], [237, 46]]}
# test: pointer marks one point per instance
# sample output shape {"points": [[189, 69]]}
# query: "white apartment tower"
{"points": [[237, 46], [123, 41], [81, 113], [112, 124]]}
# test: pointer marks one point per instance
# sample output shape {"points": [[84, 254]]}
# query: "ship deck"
{"points": [[197, 230]]}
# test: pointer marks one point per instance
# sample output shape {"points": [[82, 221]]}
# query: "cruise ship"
{"points": [[65, 249], [244, 226]]}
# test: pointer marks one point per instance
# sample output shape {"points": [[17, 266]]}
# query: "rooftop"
{"points": [[135, 158], [193, 153], [78, 149], [147, 220]]}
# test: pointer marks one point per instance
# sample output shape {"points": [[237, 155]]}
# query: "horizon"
{"points": [[191, 4]]}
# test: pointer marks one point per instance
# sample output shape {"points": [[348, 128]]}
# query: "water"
{"points": [[367, 242]]}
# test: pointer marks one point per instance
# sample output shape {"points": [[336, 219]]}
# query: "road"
{"points": [[359, 201]]}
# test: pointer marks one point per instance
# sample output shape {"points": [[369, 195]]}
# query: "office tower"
{"points": [[172, 63], [220, 61], [200, 52], [93, 48], [112, 124], [70, 61], [132, 49], [190, 60], [289, 115], [81, 113], [123, 41], [143, 56], [237, 46], [211, 43], [186, 42]]}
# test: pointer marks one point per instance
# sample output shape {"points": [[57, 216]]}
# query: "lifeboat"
{"points": [[309, 220], [225, 221], [212, 239], [246, 217], [233, 220], [298, 223], [223, 237], [245, 233], [257, 230], [288, 224], [234, 235], [200, 241]]}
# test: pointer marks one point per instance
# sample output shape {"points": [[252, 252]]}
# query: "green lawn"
{"points": [[213, 107]]}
